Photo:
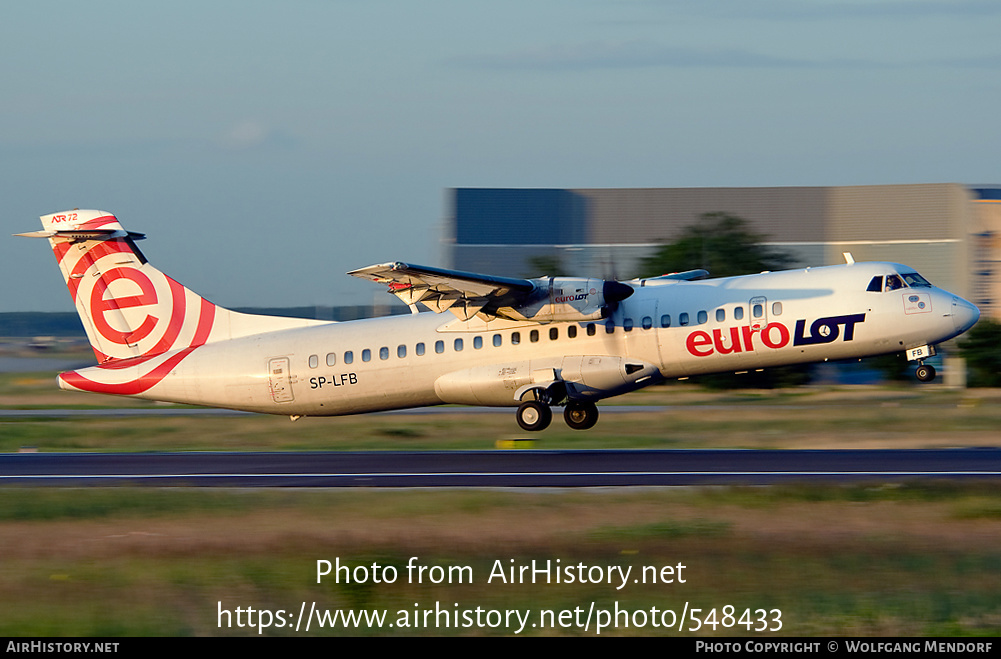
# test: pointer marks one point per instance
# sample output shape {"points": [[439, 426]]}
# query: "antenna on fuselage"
{"points": [[849, 259]]}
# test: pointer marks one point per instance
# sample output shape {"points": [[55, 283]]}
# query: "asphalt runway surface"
{"points": [[501, 468]]}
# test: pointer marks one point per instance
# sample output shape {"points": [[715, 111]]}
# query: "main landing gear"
{"points": [[534, 415], [580, 416]]}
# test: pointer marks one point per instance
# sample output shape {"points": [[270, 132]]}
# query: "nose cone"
{"points": [[964, 314]]}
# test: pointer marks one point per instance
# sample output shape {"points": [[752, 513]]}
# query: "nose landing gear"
{"points": [[925, 372]]}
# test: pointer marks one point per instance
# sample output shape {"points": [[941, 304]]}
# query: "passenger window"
{"points": [[477, 342], [457, 344], [609, 326], [591, 329], [349, 357], [553, 334], [401, 351], [758, 311], [515, 338], [876, 285], [720, 315], [572, 332], [703, 318], [665, 320], [497, 340], [314, 361], [366, 355], [439, 347], [331, 359], [738, 313], [776, 308], [647, 322], [420, 350], [683, 319], [627, 324], [533, 336], [384, 352]]}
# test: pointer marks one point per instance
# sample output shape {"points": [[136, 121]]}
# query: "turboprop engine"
{"points": [[573, 299]]}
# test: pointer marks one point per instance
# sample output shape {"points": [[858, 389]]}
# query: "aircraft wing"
{"points": [[463, 293]]}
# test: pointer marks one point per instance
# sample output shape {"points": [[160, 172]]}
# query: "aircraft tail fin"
{"points": [[129, 308]]}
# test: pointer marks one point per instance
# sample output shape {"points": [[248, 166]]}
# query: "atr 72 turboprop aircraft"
{"points": [[525, 343]]}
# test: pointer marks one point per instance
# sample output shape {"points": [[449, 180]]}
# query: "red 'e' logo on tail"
{"points": [[99, 306]]}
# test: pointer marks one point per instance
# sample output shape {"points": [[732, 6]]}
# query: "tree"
{"points": [[894, 366], [724, 245], [546, 265], [721, 243], [981, 348]]}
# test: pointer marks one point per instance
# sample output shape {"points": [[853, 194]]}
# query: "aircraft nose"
{"points": [[964, 314]]}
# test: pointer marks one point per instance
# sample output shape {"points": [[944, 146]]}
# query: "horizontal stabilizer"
{"points": [[74, 234]]}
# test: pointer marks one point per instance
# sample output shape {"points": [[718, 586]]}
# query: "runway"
{"points": [[508, 468]]}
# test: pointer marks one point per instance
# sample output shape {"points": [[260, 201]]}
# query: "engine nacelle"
{"points": [[570, 299]]}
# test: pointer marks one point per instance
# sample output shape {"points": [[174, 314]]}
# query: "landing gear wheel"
{"points": [[925, 373], [533, 415], [580, 416]]}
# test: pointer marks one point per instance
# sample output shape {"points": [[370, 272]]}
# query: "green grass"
{"points": [[52, 504], [665, 530]]}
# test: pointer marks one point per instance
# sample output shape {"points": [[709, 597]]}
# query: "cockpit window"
{"points": [[914, 280], [895, 282]]}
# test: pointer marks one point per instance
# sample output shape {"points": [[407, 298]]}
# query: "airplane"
{"points": [[531, 344]]}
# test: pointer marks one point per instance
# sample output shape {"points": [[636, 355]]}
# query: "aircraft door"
{"points": [[278, 378], [757, 312]]}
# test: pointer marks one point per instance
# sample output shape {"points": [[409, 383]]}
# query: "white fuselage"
{"points": [[666, 329]]}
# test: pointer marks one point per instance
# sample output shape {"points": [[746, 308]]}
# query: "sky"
{"points": [[266, 148]]}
